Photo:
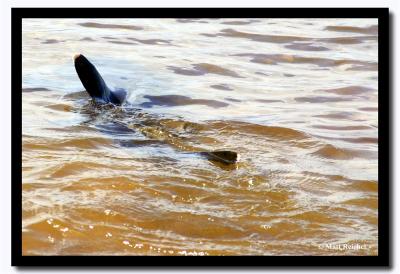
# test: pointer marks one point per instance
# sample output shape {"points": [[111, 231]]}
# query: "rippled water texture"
{"points": [[297, 98]]}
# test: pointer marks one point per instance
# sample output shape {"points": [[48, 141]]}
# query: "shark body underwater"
{"points": [[101, 93]]}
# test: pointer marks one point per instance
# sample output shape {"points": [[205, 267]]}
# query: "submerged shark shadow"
{"points": [[133, 128], [151, 128]]}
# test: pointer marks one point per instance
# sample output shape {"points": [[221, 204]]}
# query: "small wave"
{"points": [[87, 39], [248, 128], [115, 129], [274, 59], [233, 100], [179, 100], [372, 109], [360, 140], [196, 226], [350, 90], [306, 47], [72, 129], [365, 186], [52, 41], [320, 99], [74, 168], [243, 22], [34, 89], [262, 37], [285, 39], [109, 26], [288, 75], [366, 30], [60, 107], [316, 217], [354, 140], [191, 20], [208, 34], [204, 68], [152, 41], [348, 40], [266, 101], [221, 87], [332, 152], [336, 115], [371, 202], [341, 127], [51, 144], [77, 95], [121, 42]]}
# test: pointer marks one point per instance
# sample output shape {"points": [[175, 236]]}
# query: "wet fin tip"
{"points": [[77, 55], [223, 156]]}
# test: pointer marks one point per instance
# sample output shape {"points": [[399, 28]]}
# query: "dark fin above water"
{"points": [[118, 95], [94, 83], [222, 156]]}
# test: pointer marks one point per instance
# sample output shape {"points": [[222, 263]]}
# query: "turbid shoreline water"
{"points": [[296, 98]]}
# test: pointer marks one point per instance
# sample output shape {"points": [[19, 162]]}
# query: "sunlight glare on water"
{"points": [[296, 98]]}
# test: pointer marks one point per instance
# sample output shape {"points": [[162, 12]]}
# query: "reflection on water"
{"points": [[296, 98]]}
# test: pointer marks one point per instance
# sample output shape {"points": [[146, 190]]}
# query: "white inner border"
{"points": [[5, 116]]}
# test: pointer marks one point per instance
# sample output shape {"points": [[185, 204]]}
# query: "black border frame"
{"points": [[384, 178]]}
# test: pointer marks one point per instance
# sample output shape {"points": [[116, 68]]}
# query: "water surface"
{"points": [[296, 98]]}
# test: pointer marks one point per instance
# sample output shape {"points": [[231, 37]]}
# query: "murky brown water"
{"points": [[297, 98]]}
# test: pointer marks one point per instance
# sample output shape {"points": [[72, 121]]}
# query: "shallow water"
{"points": [[296, 98]]}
